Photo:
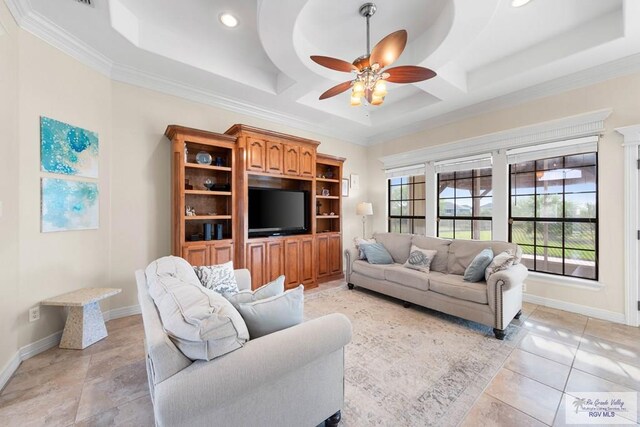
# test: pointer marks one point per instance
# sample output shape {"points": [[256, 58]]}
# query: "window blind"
{"points": [[405, 171], [587, 144], [464, 163]]}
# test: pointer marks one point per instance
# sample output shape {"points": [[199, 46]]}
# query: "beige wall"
{"points": [[8, 186], [134, 182], [54, 85], [621, 95]]}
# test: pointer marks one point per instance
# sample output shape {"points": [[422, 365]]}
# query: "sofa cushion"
{"points": [[440, 260], [455, 286], [397, 244], [375, 271], [219, 278], [200, 322], [273, 288], [376, 253], [273, 314], [462, 252], [407, 277], [420, 259], [475, 271]]}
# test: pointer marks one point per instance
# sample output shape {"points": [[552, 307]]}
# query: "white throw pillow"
{"points": [[273, 288], [500, 262], [219, 278], [420, 259], [273, 314], [200, 322]]}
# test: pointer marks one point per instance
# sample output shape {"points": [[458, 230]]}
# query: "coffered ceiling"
{"points": [[487, 54]]}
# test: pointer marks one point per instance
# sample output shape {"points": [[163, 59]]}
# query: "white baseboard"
{"points": [[9, 369], [597, 313], [117, 313], [44, 344]]}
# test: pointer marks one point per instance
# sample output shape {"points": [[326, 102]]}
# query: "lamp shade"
{"points": [[364, 208]]}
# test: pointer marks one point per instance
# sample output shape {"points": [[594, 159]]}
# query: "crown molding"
{"points": [[618, 68], [591, 123], [157, 83]]}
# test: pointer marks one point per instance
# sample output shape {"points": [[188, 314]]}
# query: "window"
{"points": [[554, 214], [407, 206], [465, 204]]}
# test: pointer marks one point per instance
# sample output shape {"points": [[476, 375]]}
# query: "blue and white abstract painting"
{"points": [[67, 149], [69, 205]]}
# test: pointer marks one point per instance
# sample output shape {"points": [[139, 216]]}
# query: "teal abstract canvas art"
{"points": [[69, 205], [67, 149]]}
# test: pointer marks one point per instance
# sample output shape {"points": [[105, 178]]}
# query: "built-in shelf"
{"points": [[326, 197], [327, 180], [192, 218], [208, 167], [199, 242], [208, 193], [327, 216]]}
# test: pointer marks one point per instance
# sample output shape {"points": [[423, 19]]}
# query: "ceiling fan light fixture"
{"points": [[380, 88], [228, 20], [358, 89], [376, 99], [519, 3], [355, 101]]}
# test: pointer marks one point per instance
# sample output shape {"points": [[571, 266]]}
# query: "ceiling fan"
{"points": [[371, 78]]}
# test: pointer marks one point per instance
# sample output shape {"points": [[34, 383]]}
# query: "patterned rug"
{"points": [[410, 367]]}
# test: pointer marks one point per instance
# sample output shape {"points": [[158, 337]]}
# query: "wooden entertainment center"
{"points": [[245, 157]]}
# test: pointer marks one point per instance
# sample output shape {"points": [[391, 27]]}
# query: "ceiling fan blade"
{"points": [[389, 49], [333, 63], [337, 89], [409, 74]]}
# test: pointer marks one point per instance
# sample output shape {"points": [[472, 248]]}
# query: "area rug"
{"points": [[410, 366]]}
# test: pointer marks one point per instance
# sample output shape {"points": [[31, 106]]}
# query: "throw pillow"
{"points": [[271, 289], [500, 262], [273, 314], [357, 241], [476, 270], [219, 278], [375, 253], [200, 322], [420, 259]]}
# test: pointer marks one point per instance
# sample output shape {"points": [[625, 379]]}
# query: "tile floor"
{"points": [[105, 384], [561, 353]]}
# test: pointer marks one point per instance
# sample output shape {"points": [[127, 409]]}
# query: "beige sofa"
{"points": [[294, 377], [494, 303]]}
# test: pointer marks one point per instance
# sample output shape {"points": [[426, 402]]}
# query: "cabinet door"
{"points": [[307, 162], [292, 273], [275, 157], [256, 263], [335, 254], [275, 259], [322, 255], [306, 260], [220, 253], [291, 160], [196, 254], [256, 154]]}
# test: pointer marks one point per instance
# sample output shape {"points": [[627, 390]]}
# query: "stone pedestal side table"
{"points": [[85, 324]]}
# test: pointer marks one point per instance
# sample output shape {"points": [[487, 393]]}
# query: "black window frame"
{"points": [[455, 217], [563, 220], [412, 218]]}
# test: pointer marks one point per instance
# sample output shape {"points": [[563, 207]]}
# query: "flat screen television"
{"points": [[274, 212]]}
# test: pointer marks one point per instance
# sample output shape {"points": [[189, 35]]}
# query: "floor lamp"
{"points": [[365, 209]]}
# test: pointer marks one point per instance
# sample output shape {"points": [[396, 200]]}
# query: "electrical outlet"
{"points": [[34, 314]]}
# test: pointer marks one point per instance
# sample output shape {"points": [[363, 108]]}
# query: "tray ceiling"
{"points": [[487, 54]]}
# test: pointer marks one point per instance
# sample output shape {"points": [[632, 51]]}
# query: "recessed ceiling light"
{"points": [[518, 3], [228, 20]]}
